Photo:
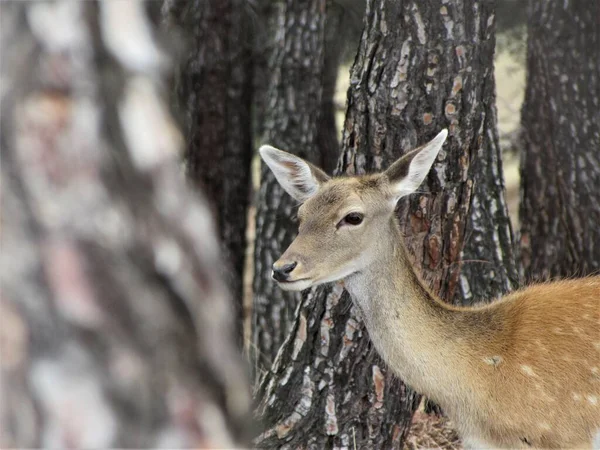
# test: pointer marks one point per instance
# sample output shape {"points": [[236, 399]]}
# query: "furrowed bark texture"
{"points": [[420, 67], [292, 110], [214, 95], [489, 267], [116, 326], [560, 162]]}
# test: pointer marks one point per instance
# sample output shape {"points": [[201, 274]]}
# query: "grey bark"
{"points": [[420, 67], [560, 161], [343, 21], [116, 326], [292, 114], [214, 87]]}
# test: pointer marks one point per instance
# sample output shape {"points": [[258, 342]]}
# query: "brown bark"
{"points": [[420, 67], [560, 161], [213, 86], [292, 115], [116, 326]]}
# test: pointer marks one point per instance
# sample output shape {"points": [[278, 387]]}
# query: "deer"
{"points": [[520, 372]]}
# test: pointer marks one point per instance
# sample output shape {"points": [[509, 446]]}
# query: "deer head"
{"points": [[342, 219]]}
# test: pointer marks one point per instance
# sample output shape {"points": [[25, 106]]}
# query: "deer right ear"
{"points": [[407, 174], [299, 178]]}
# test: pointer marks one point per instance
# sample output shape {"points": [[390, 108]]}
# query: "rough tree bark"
{"points": [[214, 89], [116, 329], [560, 161], [420, 67], [291, 122]]}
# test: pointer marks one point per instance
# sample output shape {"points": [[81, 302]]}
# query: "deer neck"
{"points": [[414, 332]]}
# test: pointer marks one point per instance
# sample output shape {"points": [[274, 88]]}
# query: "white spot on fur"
{"points": [[545, 426], [493, 360], [528, 370], [592, 399]]}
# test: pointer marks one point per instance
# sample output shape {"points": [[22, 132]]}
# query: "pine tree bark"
{"points": [[560, 162], [214, 87], [291, 122], [420, 67], [116, 325]]}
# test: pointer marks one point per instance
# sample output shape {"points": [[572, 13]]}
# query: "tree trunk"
{"points": [[214, 95], [335, 43], [489, 267], [117, 327], [560, 162], [420, 67], [292, 115]]}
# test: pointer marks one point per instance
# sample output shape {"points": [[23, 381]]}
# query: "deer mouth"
{"points": [[295, 285]]}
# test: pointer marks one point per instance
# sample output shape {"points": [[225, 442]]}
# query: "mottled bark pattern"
{"points": [[116, 326], [214, 95], [560, 162], [420, 67], [489, 268], [443, 78], [292, 109]]}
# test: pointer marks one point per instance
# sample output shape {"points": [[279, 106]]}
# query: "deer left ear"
{"points": [[299, 178], [407, 174]]}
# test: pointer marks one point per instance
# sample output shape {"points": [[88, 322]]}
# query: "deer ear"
{"points": [[407, 174], [299, 178]]}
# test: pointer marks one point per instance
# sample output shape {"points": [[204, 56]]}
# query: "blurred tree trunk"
{"points": [[420, 67], [214, 87], [560, 162], [291, 122], [116, 326]]}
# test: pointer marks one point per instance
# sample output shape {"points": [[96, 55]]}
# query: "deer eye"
{"points": [[353, 218]]}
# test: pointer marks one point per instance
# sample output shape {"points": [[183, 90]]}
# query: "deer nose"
{"points": [[282, 272]]}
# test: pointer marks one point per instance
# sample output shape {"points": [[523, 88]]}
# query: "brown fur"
{"points": [[532, 356]]}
